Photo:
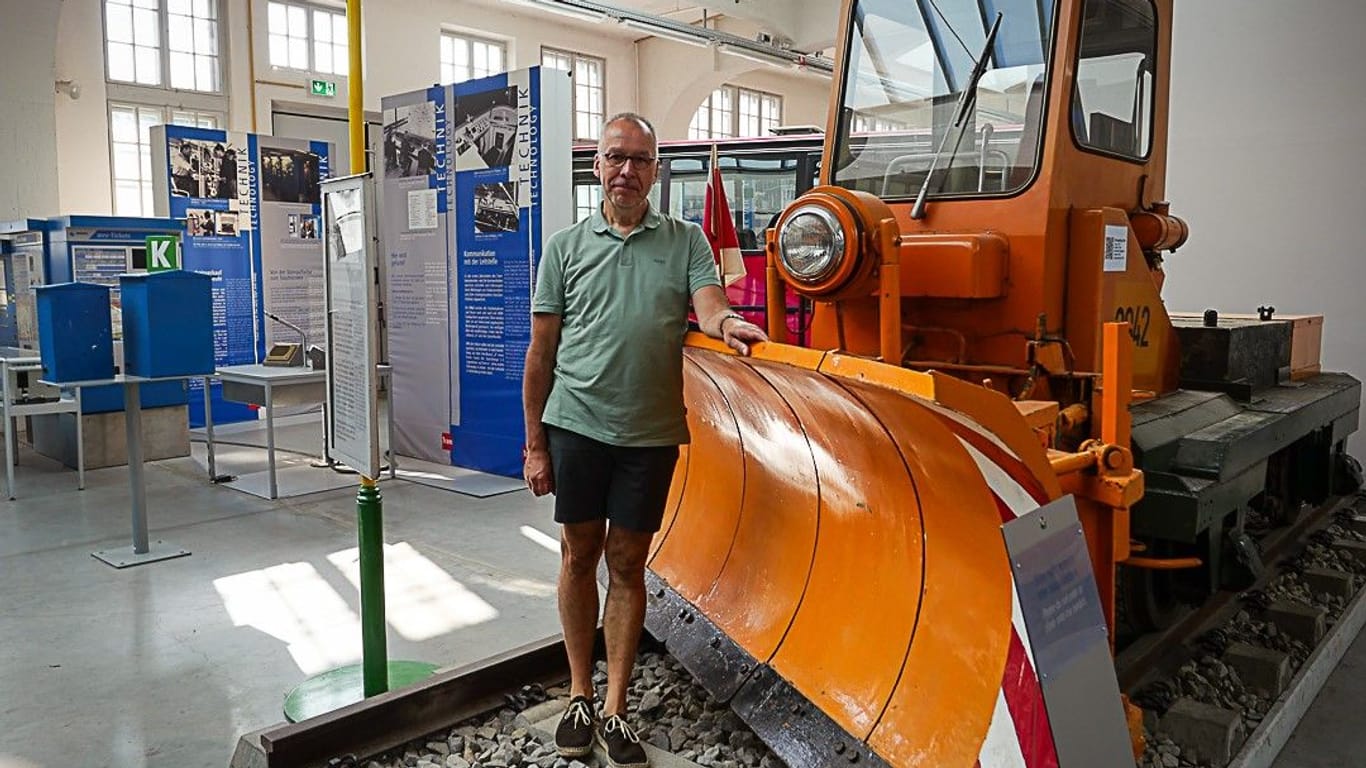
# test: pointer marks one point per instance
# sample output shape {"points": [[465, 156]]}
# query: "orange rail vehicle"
{"points": [[984, 256]]}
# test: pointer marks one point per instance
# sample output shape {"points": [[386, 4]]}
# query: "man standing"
{"points": [[603, 395]]}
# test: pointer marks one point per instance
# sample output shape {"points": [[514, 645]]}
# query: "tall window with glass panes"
{"points": [[731, 111], [163, 65], [307, 37], [467, 57], [589, 95]]}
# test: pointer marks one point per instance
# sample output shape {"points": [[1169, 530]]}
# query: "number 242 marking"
{"points": [[1138, 318]]}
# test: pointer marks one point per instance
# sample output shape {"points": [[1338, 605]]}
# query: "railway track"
{"points": [[1226, 684], [501, 713], [1202, 683]]}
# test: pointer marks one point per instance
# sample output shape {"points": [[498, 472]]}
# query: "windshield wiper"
{"points": [[965, 99]]}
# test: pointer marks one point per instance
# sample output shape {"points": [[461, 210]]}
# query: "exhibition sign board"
{"points": [[486, 164], [351, 254], [416, 220], [163, 253], [1068, 635], [286, 236], [250, 206]]}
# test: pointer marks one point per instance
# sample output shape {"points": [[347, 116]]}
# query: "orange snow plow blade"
{"points": [[832, 563]]}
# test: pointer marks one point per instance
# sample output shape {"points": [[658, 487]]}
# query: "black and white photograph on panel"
{"points": [[410, 140], [226, 222], [202, 168], [485, 128], [303, 226], [290, 175], [495, 207], [199, 222]]}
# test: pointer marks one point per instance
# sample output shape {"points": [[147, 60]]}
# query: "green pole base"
{"points": [[337, 688]]}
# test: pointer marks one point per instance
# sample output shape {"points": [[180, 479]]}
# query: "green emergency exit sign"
{"points": [[323, 88]]}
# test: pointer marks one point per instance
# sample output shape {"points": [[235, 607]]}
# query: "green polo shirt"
{"points": [[623, 302]]}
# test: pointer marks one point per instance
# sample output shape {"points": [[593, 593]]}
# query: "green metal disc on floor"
{"points": [[342, 686]]}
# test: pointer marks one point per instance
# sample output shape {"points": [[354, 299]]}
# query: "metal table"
{"points": [[269, 386], [15, 360], [142, 551]]}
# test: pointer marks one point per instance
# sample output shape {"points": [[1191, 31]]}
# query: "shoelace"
{"points": [[616, 723], [580, 714]]}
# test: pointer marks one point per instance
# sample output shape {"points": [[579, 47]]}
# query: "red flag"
{"points": [[719, 226]]}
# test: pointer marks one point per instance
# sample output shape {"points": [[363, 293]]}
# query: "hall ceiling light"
{"points": [[561, 9], [677, 31], [667, 33]]}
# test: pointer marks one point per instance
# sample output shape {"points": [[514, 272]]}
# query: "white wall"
{"points": [[82, 126], [1267, 164], [28, 148]]}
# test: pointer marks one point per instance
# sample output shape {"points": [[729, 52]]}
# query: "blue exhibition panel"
{"points": [[167, 323], [75, 334]]}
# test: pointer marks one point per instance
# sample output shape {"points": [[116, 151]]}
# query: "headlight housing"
{"points": [[811, 243], [828, 243]]}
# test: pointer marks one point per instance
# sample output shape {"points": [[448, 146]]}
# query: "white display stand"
{"points": [[350, 250]]}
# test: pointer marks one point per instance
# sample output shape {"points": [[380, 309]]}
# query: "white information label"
{"points": [[422, 209], [1116, 256], [352, 385]]}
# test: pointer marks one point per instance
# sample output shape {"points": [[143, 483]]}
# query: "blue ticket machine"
{"points": [[97, 250], [23, 256]]}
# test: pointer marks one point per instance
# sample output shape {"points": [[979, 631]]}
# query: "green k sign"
{"points": [[163, 253], [323, 88]]}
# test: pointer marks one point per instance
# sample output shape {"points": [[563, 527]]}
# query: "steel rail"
{"points": [[390, 719], [1144, 658]]}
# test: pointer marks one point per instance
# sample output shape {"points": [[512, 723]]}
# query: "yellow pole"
{"points": [[355, 87]]}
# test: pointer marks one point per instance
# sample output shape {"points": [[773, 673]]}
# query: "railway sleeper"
{"points": [[1205, 732], [1263, 670], [679, 723], [1245, 670]]}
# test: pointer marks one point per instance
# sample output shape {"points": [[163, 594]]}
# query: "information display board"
{"points": [[476, 177], [416, 235], [350, 251], [1068, 635], [250, 205]]}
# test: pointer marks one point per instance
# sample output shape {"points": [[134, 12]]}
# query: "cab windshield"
{"points": [[910, 62]]}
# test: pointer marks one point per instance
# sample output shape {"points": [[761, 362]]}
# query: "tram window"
{"points": [[1112, 103], [587, 198], [757, 188]]}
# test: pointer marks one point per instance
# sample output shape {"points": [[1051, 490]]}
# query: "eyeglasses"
{"points": [[617, 160]]}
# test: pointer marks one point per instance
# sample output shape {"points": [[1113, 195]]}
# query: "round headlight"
{"points": [[811, 243]]}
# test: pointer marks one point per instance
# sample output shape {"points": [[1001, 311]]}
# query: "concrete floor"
{"points": [[166, 664], [1333, 731]]}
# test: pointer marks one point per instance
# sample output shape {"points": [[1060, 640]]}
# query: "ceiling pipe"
{"points": [[591, 11]]}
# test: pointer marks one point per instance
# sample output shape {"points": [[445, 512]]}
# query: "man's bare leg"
{"points": [[580, 550], [625, 614]]}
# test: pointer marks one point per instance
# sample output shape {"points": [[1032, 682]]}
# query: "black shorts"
{"points": [[597, 481]]}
